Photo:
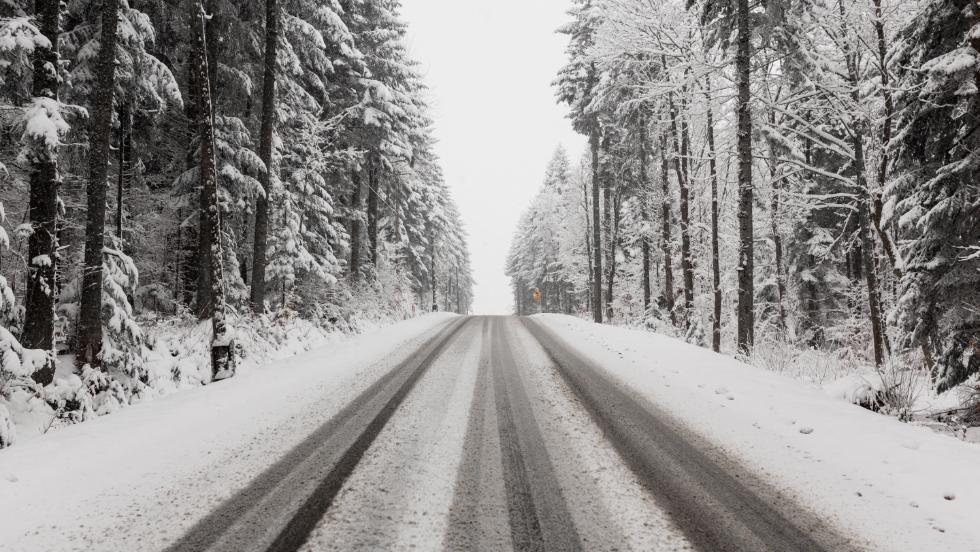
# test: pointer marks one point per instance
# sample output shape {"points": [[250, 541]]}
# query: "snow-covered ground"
{"points": [[146, 473], [899, 486], [177, 358]]}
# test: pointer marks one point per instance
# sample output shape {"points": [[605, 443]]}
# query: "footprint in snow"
{"points": [[806, 430]]}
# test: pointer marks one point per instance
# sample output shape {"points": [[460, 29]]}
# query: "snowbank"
{"points": [[160, 465], [896, 485]]}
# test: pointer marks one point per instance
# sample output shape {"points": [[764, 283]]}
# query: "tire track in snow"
{"points": [[507, 495], [539, 517], [277, 511], [719, 507]]}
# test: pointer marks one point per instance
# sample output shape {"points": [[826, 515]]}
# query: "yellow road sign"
{"points": [[537, 294]]}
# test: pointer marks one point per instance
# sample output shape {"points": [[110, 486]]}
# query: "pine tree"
{"points": [[934, 199], [576, 86]]}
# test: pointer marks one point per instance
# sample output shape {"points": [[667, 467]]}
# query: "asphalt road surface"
{"points": [[496, 435]]}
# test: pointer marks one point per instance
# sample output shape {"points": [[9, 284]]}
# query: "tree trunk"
{"points": [[746, 253], [374, 182], [204, 301], [596, 235], [886, 139], [607, 230], [777, 240], [680, 167], [222, 360], [265, 152], [432, 274], [865, 222], [715, 262], [355, 228], [645, 213], [665, 230], [588, 241], [90, 314], [125, 164], [867, 256], [42, 245]]}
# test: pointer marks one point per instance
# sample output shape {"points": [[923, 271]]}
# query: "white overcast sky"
{"points": [[490, 66]]}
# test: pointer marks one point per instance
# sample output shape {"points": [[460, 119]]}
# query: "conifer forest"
{"points": [[218, 160], [796, 174], [522, 275]]}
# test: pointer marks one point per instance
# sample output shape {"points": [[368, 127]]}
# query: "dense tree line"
{"points": [[209, 158], [793, 170]]}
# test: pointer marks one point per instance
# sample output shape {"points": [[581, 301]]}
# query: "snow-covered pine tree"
{"points": [[934, 200], [576, 86]]}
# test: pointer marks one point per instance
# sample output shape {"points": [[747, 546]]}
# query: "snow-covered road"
{"points": [[491, 433]]}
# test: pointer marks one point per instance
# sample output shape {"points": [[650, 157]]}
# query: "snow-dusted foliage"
{"points": [[853, 185], [361, 225], [934, 201]]}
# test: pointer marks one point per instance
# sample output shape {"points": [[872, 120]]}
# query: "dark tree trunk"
{"points": [[886, 138], [374, 183], [43, 243], [867, 257], [588, 241], [204, 301], [596, 223], [222, 361], [265, 152], [607, 230], [645, 212], [125, 155], [89, 346], [865, 215], [715, 261], [665, 230], [355, 228], [613, 242], [680, 167], [432, 275], [746, 253], [777, 239]]}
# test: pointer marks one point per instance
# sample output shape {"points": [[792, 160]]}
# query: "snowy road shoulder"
{"points": [[899, 486], [150, 471]]}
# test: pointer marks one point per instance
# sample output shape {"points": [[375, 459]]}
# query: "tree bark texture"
{"points": [[222, 360], [89, 346], [43, 203], [260, 247], [665, 230], [715, 261], [355, 228], [746, 254], [596, 230]]}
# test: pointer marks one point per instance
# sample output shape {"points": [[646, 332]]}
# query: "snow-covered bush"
{"points": [[16, 386], [122, 343]]}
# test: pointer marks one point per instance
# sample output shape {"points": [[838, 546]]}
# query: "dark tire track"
{"points": [[507, 495], [477, 520], [539, 517], [281, 506], [717, 505]]}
